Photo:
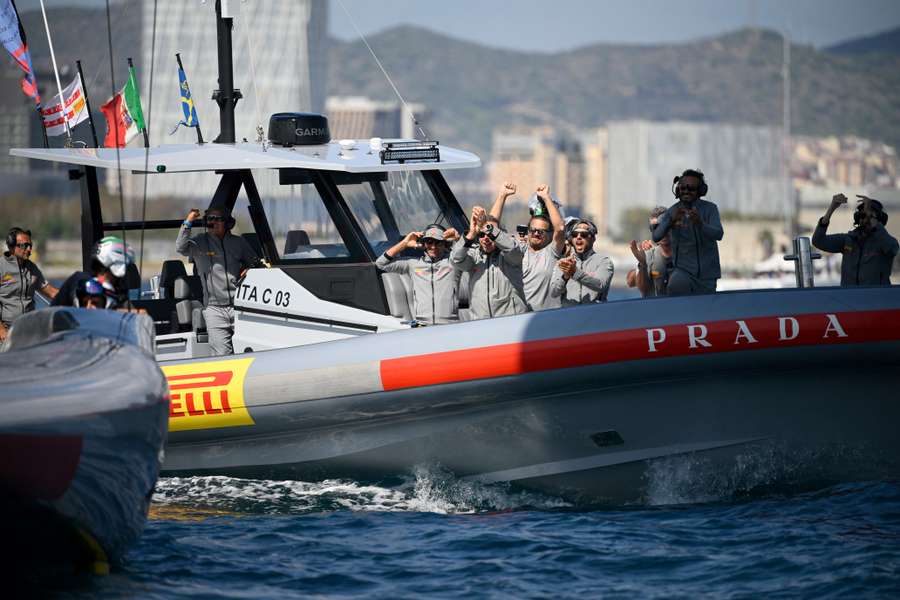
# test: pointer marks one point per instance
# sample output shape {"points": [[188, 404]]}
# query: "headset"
{"points": [[12, 236], [702, 190], [229, 220], [858, 214]]}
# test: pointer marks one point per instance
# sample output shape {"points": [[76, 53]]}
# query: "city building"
{"points": [[280, 60], [531, 156], [742, 164], [358, 117]]}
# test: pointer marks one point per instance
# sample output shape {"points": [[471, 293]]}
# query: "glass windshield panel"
{"points": [[361, 199], [412, 203], [301, 225], [410, 207]]}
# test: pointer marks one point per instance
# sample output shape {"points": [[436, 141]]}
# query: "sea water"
{"points": [[434, 536]]}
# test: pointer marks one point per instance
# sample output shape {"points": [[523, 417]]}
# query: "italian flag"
{"points": [[124, 117]]}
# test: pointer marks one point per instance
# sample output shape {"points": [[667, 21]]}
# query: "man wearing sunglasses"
{"points": [[651, 276], [583, 277], [221, 258], [694, 231], [19, 279], [494, 266], [544, 244], [435, 283]]}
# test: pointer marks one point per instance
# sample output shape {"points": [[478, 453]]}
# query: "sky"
{"points": [[554, 25]]}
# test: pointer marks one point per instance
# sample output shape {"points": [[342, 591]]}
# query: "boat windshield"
{"points": [[388, 209]]}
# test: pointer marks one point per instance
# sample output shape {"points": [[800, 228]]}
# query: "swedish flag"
{"points": [[187, 103]]}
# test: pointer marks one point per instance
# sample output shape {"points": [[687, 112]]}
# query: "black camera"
{"points": [[522, 229]]}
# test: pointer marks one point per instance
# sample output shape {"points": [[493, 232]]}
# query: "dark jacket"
{"points": [[695, 248], [867, 259]]}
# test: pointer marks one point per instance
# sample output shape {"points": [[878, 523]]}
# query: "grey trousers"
{"points": [[682, 283], [220, 327]]}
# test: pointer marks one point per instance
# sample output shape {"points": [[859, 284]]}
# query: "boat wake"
{"points": [[760, 470], [429, 489]]}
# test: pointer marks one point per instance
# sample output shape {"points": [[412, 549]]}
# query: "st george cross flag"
{"points": [[76, 109], [124, 116], [12, 36]]}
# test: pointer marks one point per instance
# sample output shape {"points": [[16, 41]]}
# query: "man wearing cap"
{"points": [[543, 246], [868, 250], [494, 266], [583, 277], [19, 279], [221, 258], [435, 283]]}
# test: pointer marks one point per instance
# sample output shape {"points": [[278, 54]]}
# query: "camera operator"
{"points": [[868, 250], [694, 230]]}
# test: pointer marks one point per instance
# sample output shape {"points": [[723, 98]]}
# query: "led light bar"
{"points": [[405, 151]]}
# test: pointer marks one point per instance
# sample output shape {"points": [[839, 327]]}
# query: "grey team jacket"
{"points": [[219, 262], [435, 286], [538, 267], [17, 287], [590, 283], [495, 279], [866, 259], [695, 248]]}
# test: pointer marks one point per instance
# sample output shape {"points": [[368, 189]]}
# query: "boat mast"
{"points": [[226, 96]]}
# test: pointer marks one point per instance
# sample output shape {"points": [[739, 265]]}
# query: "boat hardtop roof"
{"points": [[341, 155]]}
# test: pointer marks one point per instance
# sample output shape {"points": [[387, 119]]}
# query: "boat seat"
{"points": [[188, 307], [398, 292], [255, 245], [463, 296], [295, 238], [171, 270], [133, 281]]}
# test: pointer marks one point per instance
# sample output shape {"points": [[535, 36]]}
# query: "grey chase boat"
{"points": [[330, 379], [82, 427]]}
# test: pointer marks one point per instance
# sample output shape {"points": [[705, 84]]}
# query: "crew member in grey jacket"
{"points": [[19, 279], [494, 267], [694, 230], [868, 250], [583, 277], [221, 258], [543, 246], [435, 283]]}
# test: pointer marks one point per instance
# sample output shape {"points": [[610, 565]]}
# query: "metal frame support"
{"points": [[803, 256], [91, 215]]}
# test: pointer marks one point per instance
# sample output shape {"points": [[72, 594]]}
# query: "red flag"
{"points": [[120, 126]]}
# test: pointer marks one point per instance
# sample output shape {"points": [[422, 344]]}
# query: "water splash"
{"points": [[429, 488]]}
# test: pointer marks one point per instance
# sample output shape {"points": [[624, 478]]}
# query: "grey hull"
{"points": [[81, 430], [586, 404]]}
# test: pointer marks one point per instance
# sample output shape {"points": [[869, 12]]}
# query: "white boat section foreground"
{"points": [[183, 158]]}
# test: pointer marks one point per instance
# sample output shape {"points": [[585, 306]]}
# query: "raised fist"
{"points": [[543, 191], [508, 189]]}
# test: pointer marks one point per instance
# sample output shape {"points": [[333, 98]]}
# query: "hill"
{"points": [[730, 78], [887, 42]]}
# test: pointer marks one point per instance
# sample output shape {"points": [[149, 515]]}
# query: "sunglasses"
{"points": [[688, 188], [432, 241], [25, 245], [581, 234], [540, 231], [215, 219]]}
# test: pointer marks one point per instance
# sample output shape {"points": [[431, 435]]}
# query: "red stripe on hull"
{"points": [[683, 339], [38, 466]]}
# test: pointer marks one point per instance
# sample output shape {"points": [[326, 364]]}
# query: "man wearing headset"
{"points": [[494, 266], [543, 246], [583, 277], [694, 231], [435, 283], [19, 279], [868, 249], [221, 258]]}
